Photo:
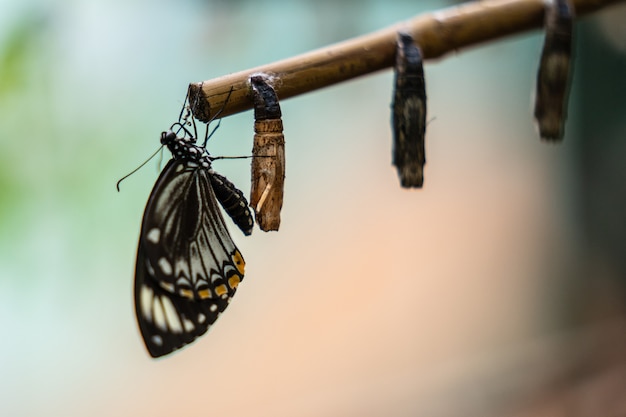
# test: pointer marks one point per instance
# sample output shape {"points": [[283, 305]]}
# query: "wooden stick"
{"points": [[437, 33]]}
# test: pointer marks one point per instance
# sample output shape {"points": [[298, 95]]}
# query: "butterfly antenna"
{"points": [[215, 158], [137, 169], [160, 164]]}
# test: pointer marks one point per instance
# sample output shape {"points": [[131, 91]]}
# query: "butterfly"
{"points": [[188, 267]]}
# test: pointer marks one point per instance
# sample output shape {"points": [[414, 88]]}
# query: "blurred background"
{"points": [[497, 290]]}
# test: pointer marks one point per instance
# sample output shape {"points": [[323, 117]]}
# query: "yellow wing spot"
{"points": [[187, 293], [167, 286], [221, 290], [204, 293], [234, 281], [239, 262]]}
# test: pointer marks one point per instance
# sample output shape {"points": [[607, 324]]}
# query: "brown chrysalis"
{"points": [[554, 70], [409, 113], [268, 156]]}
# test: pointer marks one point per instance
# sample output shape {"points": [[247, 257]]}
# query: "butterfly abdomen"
{"points": [[233, 201]]}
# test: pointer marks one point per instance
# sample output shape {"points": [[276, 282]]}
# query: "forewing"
{"points": [[188, 267]]}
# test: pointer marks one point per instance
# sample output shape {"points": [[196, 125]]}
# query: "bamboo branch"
{"points": [[437, 33]]}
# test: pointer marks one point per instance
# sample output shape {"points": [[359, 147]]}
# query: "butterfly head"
{"points": [[184, 148], [168, 138]]}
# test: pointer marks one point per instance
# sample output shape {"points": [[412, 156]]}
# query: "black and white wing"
{"points": [[188, 267]]}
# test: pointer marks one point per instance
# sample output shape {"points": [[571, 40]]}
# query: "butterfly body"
{"points": [[188, 267]]}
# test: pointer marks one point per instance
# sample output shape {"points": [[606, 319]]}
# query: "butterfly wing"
{"points": [[167, 321], [188, 267]]}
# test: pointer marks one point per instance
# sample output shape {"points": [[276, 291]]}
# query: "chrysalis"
{"points": [[409, 113], [268, 162], [554, 71]]}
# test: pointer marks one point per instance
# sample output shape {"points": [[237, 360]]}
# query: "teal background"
{"points": [[371, 300]]}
